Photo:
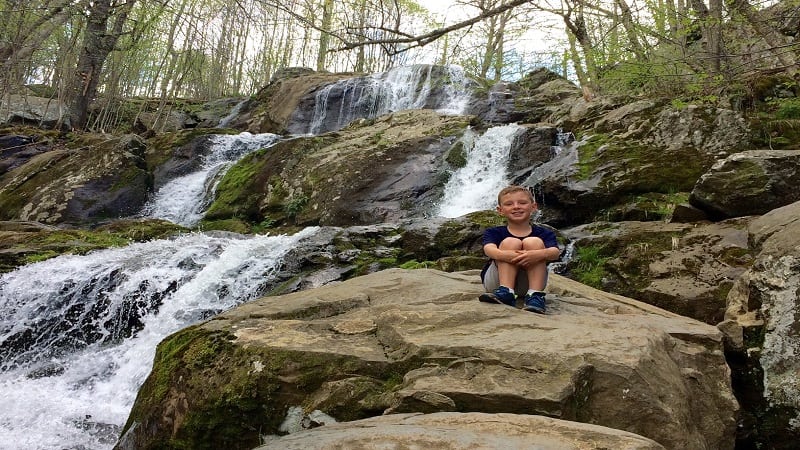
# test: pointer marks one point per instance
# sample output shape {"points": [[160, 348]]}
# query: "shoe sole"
{"points": [[491, 298], [535, 309]]}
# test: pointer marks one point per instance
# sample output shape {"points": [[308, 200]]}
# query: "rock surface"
{"points": [[462, 431], [684, 268], [402, 341], [749, 183], [370, 172], [101, 177], [763, 326]]}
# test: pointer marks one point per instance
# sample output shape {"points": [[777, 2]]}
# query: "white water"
{"points": [[474, 187], [183, 200], [77, 394], [401, 88], [225, 121]]}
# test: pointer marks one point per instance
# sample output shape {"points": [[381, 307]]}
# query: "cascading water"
{"points": [[184, 199], [78, 333], [408, 87], [225, 121], [474, 187]]}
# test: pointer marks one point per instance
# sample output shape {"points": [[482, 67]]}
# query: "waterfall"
{"points": [[78, 333], [225, 121], [401, 88], [183, 200], [474, 187]]}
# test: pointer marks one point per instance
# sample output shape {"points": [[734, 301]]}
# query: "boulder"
{"points": [[374, 171], [462, 431], [749, 183], [33, 110], [272, 107], [687, 269], [763, 330], [636, 149], [402, 341], [100, 177]]}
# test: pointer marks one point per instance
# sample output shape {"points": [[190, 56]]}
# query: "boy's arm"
{"points": [[492, 251]]}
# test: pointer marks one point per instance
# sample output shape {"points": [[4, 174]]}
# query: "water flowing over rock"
{"points": [[474, 187], [78, 333], [183, 199], [444, 89], [399, 341], [374, 171]]}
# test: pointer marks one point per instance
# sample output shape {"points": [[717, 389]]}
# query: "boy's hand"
{"points": [[525, 258]]}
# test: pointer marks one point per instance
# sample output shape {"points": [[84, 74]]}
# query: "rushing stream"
{"points": [[70, 373], [184, 199]]}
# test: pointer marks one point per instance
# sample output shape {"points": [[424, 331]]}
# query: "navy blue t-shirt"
{"points": [[495, 235]]}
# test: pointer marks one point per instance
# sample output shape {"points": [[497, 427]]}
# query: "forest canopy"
{"points": [[91, 54]]}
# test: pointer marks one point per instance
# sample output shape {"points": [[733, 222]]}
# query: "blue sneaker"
{"points": [[535, 302], [500, 295]]}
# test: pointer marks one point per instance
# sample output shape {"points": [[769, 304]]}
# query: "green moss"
{"points": [[295, 205], [233, 225], [457, 156], [237, 195], [414, 264], [486, 219], [587, 161]]}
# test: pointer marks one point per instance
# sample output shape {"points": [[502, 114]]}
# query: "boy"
{"points": [[518, 253]]}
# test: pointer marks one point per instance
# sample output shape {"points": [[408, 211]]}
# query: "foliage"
{"points": [[295, 205], [589, 265]]}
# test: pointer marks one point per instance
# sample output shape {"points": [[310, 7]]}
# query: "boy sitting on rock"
{"points": [[518, 252]]}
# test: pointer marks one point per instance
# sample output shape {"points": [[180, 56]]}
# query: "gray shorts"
{"points": [[491, 280]]}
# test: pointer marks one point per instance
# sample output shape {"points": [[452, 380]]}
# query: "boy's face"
{"points": [[516, 206]]}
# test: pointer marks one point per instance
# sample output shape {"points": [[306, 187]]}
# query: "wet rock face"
{"points": [[419, 341], [333, 106], [370, 172], [762, 330]]}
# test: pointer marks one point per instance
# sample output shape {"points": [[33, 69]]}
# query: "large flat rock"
{"points": [[418, 341]]}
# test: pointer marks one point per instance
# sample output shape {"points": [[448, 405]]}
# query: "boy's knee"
{"points": [[532, 243], [511, 243]]}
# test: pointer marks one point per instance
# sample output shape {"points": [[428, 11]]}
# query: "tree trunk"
{"points": [[324, 37], [97, 44]]}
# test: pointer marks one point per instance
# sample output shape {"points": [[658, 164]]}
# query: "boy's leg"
{"points": [[507, 272], [491, 280], [500, 278], [537, 273], [537, 276]]}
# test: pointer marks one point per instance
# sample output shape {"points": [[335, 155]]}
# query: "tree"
{"points": [[100, 39]]}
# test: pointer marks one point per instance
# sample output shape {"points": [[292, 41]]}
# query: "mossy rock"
{"points": [[341, 178], [219, 395], [34, 245]]}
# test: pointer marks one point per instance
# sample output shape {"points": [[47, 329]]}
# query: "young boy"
{"points": [[518, 253]]}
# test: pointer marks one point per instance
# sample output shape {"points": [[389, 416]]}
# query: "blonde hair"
{"points": [[511, 189]]}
